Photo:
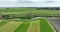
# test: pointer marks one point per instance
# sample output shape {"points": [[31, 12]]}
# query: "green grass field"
{"points": [[38, 25]]}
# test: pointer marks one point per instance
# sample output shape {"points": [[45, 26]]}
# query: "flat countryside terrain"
{"points": [[38, 25], [33, 11], [22, 20]]}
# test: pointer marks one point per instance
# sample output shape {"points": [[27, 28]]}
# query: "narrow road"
{"points": [[56, 23]]}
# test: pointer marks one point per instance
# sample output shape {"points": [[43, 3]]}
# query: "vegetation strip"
{"points": [[29, 27], [37, 25], [45, 26], [2, 22], [23, 27], [34, 27], [51, 26], [10, 27]]}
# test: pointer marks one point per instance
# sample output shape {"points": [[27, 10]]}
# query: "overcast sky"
{"points": [[29, 3]]}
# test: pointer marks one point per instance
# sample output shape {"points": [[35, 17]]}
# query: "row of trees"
{"points": [[35, 8], [49, 8]]}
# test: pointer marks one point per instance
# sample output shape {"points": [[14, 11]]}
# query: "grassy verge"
{"points": [[45, 26]]}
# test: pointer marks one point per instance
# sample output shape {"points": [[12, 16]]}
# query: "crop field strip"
{"points": [[27, 10], [12, 10], [35, 27], [9, 27], [40, 25], [46, 26], [39, 11], [22, 28], [2, 22], [50, 25]]}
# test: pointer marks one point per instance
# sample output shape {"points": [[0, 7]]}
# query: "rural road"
{"points": [[56, 23]]}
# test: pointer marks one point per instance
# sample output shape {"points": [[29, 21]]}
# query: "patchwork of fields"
{"points": [[28, 10], [37, 25], [23, 20], [24, 12]]}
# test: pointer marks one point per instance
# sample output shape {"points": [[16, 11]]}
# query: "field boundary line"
{"points": [[51, 25], [29, 27], [39, 26], [16, 26]]}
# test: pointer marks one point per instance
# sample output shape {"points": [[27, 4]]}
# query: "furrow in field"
{"points": [[10, 27], [34, 27], [37, 26], [29, 27], [14, 27], [22, 28], [2, 27], [2, 23], [45, 27]]}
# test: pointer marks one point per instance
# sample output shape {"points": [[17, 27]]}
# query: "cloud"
{"points": [[33, 3], [8, 0], [22, 0]]}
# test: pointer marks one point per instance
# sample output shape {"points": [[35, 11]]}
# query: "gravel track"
{"points": [[56, 23]]}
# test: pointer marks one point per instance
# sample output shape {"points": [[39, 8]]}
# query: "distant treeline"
{"points": [[32, 12], [49, 8], [37, 8], [27, 16]]}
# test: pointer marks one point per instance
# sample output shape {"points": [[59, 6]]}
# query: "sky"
{"points": [[29, 3]]}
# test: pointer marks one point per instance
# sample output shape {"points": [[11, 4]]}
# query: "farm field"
{"points": [[27, 10], [37, 25], [31, 11]]}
